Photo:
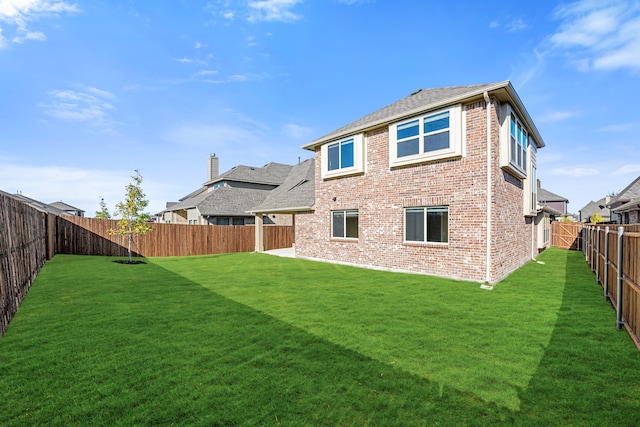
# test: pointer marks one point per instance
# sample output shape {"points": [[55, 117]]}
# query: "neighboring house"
{"points": [[226, 199], [599, 207], [295, 195], [627, 204], [70, 210], [546, 215], [552, 200], [435, 183]]}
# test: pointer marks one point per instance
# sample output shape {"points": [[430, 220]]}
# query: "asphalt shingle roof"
{"points": [[423, 100], [270, 174], [296, 193], [631, 191], [548, 196]]}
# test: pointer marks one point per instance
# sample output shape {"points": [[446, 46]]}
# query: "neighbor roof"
{"points": [[631, 191], [295, 194], [269, 174], [548, 196], [65, 206], [429, 99]]}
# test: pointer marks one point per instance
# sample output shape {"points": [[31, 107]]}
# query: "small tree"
{"points": [[103, 213], [134, 221], [596, 218]]}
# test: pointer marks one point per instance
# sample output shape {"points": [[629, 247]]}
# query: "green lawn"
{"points": [[251, 339]]}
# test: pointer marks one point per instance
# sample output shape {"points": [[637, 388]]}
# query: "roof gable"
{"points": [[297, 192], [631, 191], [548, 196]]}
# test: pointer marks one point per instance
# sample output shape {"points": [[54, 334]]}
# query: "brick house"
{"points": [[434, 183]]}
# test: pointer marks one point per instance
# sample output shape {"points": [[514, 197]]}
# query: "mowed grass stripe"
{"points": [[249, 339]]}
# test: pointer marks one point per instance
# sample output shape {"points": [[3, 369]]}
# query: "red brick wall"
{"points": [[381, 194]]}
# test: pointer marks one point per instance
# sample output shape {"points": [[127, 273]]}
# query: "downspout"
{"points": [[489, 193]]}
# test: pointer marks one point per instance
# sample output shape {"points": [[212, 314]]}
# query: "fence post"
{"points": [[586, 242], [605, 285], [597, 253], [619, 322]]}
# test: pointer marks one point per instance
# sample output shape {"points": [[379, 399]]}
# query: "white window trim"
{"points": [[358, 158], [345, 211], [505, 143], [425, 242], [455, 139]]}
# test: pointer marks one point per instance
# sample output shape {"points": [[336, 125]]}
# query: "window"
{"points": [[341, 155], [222, 221], [344, 224], [518, 147], [515, 143], [426, 224], [237, 221], [345, 157], [433, 136]]}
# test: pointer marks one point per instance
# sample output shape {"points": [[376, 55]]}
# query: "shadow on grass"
{"points": [[145, 346], [589, 374]]}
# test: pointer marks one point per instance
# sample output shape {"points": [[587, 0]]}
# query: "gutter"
{"points": [[489, 190]]}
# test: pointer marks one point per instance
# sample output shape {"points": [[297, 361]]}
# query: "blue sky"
{"points": [[92, 90]]}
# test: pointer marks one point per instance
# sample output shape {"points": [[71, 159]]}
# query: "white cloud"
{"points": [[618, 127], [20, 13], [494, 24], [575, 172], [556, 116], [599, 34], [272, 10], [516, 25], [87, 104], [630, 168], [79, 187], [294, 131]]}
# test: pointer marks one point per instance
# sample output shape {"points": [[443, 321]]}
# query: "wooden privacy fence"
{"points": [[27, 241], [612, 251], [566, 235], [90, 236]]}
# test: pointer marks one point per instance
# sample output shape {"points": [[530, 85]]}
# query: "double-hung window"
{"points": [[344, 157], [344, 224], [432, 136], [426, 224]]}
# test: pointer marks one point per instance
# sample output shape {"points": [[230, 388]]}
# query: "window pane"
{"points": [[438, 224], [513, 149], [407, 130], [407, 148], [437, 141], [414, 225], [334, 156], [436, 122], [338, 224], [238, 221], [222, 221], [346, 154], [352, 224]]}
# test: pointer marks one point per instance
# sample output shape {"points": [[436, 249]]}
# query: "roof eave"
{"points": [[468, 96]]}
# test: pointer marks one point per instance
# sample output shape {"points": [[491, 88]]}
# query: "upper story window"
{"points": [[433, 136], [340, 155], [515, 143], [518, 144], [344, 157]]}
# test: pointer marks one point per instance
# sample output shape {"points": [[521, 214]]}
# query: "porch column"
{"points": [[259, 233]]}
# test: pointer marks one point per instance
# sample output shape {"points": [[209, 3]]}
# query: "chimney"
{"points": [[538, 183], [213, 167]]}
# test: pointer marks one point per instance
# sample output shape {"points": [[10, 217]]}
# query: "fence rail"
{"points": [[612, 252], [29, 237]]}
